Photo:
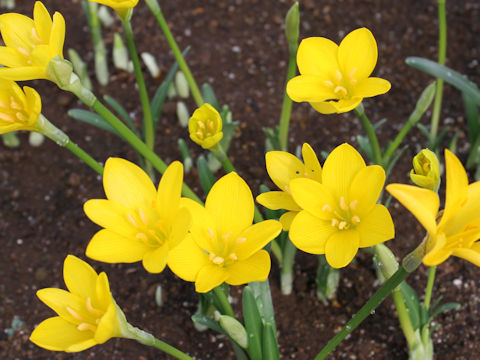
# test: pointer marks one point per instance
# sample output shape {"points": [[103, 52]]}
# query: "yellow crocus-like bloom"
{"points": [[87, 312], [19, 110], [341, 214], [282, 167], [205, 126], [223, 245], [30, 43], [426, 170], [140, 223], [335, 79], [120, 6], [458, 230]]}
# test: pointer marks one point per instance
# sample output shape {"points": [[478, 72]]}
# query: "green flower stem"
{"points": [[227, 308], [89, 99], [148, 339], [397, 141], [442, 54], [276, 251], [149, 132], [220, 154], [404, 318], [288, 259], [429, 288], [411, 262], [82, 155], [287, 104], [372, 137], [157, 12]]}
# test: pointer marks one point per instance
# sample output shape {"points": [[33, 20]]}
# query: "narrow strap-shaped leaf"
{"points": [[207, 179], [270, 346], [450, 76], [122, 112], [473, 118], [92, 119], [412, 303], [253, 324], [209, 96]]}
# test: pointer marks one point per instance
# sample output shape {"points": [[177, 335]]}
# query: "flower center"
{"points": [[151, 230], [205, 129], [345, 218], [29, 44], [12, 112], [224, 254], [88, 318], [340, 84]]}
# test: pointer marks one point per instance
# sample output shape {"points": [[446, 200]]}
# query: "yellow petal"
{"points": [[314, 197], [371, 86], [357, 54], [155, 260], [110, 215], [110, 247], [23, 73], [317, 56], [108, 326], [16, 30], [230, 203], [422, 203], [169, 191], [57, 35], [58, 300], [255, 268], [277, 200], [457, 187], [209, 277], [186, 259], [308, 233], [57, 334], [103, 295], [181, 225], [341, 248], [312, 165], [376, 227], [340, 168], [469, 255], [286, 219], [283, 167], [79, 277], [366, 188], [436, 252], [11, 57], [127, 184], [309, 88], [469, 211], [42, 20], [324, 107], [201, 223], [345, 105], [257, 236]]}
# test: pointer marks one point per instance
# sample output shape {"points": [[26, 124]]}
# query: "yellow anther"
{"points": [[329, 83], [340, 89], [143, 216], [233, 256], [35, 35], [159, 224], [339, 75], [75, 314], [334, 222], [353, 204], [14, 104], [210, 233], [355, 219], [343, 204], [210, 124], [4, 105], [226, 236], [141, 236], [92, 310], [342, 225], [327, 207], [200, 134], [6, 117], [218, 260], [241, 240], [131, 219], [200, 124], [23, 51], [86, 326], [21, 117], [287, 189], [212, 256]]}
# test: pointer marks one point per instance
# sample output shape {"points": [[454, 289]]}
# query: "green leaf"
{"points": [[228, 130], [92, 119], [439, 138], [377, 125], [423, 129], [208, 322], [412, 303], [122, 112], [207, 179], [453, 143], [263, 297], [444, 308], [270, 346], [365, 146], [209, 96], [473, 119], [253, 324], [450, 76], [393, 160]]}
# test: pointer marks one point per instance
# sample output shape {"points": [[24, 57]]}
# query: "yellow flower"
{"points": [[30, 43], [426, 170], [120, 6], [87, 312], [19, 110], [223, 245], [458, 231], [283, 167], [139, 222], [340, 214], [205, 126], [335, 79]]}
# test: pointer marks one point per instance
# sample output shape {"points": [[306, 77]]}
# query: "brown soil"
{"points": [[239, 48]]}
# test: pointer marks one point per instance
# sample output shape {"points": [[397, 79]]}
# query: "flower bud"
{"points": [[205, 126], [426, 170], [235, 330], [292, 27]]}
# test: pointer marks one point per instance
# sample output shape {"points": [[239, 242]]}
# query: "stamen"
{"points": [[143, 216], [7, 117], [355, 219], [339, 75], [211, 233], [212, 256], [75, 314], [200, 134], [226, 236], [92, 310], [218, 260], [343, 204], [329, 83], [233, 256], [23, 51], [85, 326], [327, 207], [340, 89], [353, 204], [4, 105], [141, 236], [209, 124], [287, 189], [14, 104], [334, 222], [21, 117], [200, 124], [241, 240], [35, 35], [342, 225], [131, 219]]}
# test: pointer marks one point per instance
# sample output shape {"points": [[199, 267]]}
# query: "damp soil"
{"points": [[239, 48]]}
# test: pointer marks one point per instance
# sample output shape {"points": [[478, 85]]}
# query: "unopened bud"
{"points": [[426, 170], [235, 330]]}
